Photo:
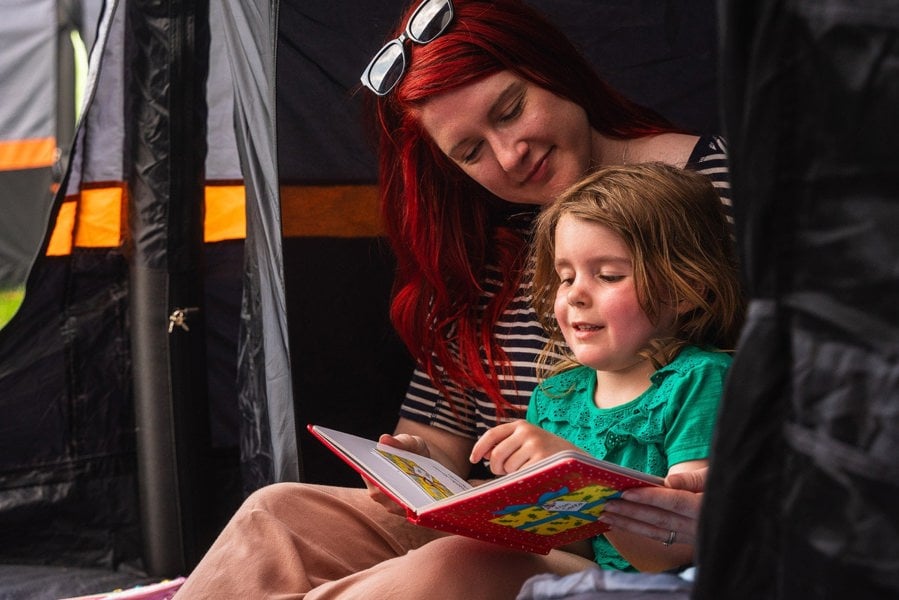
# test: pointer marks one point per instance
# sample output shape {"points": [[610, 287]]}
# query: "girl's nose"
{"points": [[576, 295]]}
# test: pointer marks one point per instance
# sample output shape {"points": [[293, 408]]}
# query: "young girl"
{"points": [[637, 267]]}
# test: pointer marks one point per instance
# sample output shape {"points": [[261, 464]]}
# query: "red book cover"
{"points": [[548, 504]]}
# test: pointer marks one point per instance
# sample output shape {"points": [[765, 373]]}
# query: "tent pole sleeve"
{"points": [[167, 49]]}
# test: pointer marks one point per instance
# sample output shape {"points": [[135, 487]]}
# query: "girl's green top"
{"points": [[671, 422]]}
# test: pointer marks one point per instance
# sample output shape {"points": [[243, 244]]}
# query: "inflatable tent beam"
{"points": [[167, 44]]}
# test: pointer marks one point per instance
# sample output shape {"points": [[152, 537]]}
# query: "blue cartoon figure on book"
{"points": [[558, 511]]}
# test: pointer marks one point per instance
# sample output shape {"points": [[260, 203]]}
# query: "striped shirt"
{"points": [[522, 337]]}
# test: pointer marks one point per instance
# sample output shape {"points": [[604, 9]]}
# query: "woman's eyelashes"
{"points": [[472, 155], [506, 117], [516, 109]]}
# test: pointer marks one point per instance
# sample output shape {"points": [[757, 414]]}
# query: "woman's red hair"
{"points": [[444, 228]]}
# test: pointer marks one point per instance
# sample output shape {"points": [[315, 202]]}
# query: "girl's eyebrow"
{"points": [[610, 259]]}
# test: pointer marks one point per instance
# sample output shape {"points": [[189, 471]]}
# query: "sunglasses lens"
{"points": [[386, 68], [430, 20]]}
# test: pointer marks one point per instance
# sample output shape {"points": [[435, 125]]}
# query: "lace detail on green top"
{"points": [[669, 423]]}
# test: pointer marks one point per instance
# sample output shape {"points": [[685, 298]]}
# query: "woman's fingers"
{"points": [[656, 515]]}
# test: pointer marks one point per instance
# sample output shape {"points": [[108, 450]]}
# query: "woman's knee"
{"points": [[476, 569], [270, 496]]}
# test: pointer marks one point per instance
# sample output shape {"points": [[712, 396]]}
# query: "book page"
{"points": [[431, 477], [416, 480]]}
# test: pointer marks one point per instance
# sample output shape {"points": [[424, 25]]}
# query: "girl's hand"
{"points": [[517, 444], [403, 441]]}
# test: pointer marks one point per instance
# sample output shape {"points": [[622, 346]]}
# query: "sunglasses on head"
{"points": [[385, 70]]}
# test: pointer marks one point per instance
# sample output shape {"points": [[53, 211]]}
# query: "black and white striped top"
{"points": [[522, 337]]}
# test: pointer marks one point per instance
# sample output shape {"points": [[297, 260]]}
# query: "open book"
{"points": [[551, 503]]}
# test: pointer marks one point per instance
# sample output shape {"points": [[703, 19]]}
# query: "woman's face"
{"points": [[518, 140]]}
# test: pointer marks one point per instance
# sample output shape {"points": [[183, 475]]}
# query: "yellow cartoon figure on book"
{"points": [[558, 511], [432, 486]]}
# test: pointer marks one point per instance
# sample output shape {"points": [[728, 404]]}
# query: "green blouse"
{"points": [[671, 422]]}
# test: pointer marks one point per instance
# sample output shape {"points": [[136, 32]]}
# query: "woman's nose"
{"points": [[510, 152]]}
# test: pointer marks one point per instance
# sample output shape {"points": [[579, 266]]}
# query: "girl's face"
{"points": [[596, 301], [518, 140]]}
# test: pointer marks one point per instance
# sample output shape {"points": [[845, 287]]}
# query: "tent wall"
{"points": [[267, 432], [801, 501], [67, 481], [28, 86], [69, 477]]}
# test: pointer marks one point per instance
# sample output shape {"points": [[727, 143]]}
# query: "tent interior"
{"points": [[71, 494], [196, 292]]}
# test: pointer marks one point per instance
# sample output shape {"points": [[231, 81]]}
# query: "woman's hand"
{"points": [[657, 512], [404, 441], [654, 528], [447, 448], [514, 445]]}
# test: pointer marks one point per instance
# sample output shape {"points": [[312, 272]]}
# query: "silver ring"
{"points": [[671, 535]]}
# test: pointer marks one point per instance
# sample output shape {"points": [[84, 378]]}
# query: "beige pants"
{"points": [[293, 540]]}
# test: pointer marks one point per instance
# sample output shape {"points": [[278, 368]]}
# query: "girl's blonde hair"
{"points": [[674, 225]]}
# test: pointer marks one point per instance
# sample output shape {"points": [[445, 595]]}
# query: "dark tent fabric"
{"points": [[165, 174], [267, 432], [801, 501], [70, 477]]}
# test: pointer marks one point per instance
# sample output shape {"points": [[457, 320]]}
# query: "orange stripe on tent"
{"points": [[330, 211], [93, 218], [226, 215], [27, 154], [61, 238], [99, 218]]}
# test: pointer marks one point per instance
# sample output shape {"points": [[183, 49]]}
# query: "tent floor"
{"points": [[34, 582]]}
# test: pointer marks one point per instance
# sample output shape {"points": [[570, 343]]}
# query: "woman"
{"points": [[498, 109], [483, 117]]}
